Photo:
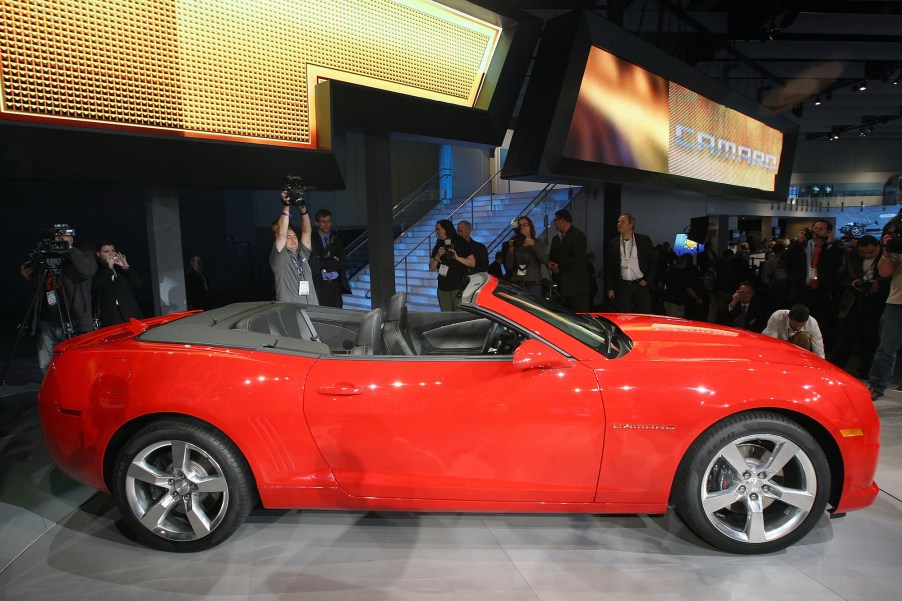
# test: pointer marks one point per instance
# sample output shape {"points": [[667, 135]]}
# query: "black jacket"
{"points": [[331, 257], [113, 297], [569, 252], [645, 252]]}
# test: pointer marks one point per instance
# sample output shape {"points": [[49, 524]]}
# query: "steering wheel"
{"points": [[493, 336]]}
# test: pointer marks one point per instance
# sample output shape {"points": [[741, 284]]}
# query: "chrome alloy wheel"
{"points": [[758, 488], [176, 490]]}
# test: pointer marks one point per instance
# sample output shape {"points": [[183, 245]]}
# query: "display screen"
{"points": [[682, 245], [626, 116], [604, 105]]}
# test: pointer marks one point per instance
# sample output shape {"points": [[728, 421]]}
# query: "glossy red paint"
{"points": [[556, 427]]}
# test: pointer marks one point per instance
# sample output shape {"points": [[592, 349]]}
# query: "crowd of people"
{"points": [[829, 296], [823, 294]]}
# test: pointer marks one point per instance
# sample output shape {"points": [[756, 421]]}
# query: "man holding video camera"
{"points": [[329, 277], [290, 257], [65, 305]]}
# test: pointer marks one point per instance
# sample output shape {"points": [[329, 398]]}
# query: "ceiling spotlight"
{"points": [[862, 86], [817, 101], [835, 137]]}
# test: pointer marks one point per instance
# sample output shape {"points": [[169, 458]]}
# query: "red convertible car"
{"points": [[512, 405]]}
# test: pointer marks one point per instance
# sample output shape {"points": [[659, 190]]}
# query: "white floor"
{"points": [[59, 540]]}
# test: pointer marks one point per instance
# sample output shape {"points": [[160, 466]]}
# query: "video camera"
{"points": [[49, 251], [295, 188]]}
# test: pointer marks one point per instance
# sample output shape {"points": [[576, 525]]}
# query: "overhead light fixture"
{"points": [[817, 101], [862, 86]]}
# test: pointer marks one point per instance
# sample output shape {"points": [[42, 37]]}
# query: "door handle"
{"points": [[340, 389]]}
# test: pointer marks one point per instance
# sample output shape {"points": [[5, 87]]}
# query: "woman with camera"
{"points": [[451, 257], [526, 255]]}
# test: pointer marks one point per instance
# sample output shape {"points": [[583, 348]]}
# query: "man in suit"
{"points": [[747, 311], [567, 263], [196, 290], [329, 277], [630, 268]]}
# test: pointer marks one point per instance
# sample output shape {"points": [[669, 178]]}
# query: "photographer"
{"points": [[65, 309], [526, 256], [290, 257], [889, 265], [329, 277], [452, 258], [860, 305], [114, 300]]}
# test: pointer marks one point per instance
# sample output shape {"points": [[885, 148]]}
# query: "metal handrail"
{"points": [[398, 210], [469, 199], [532, 204]]}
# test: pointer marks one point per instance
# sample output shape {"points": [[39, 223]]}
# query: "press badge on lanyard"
{"points": [[443, 270], [304, 288]]}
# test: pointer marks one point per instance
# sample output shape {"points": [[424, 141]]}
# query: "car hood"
{"points": [[668, 339]]}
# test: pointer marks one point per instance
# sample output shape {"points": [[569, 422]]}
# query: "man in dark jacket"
{"points": [[630, 268], [113, 285], [329, 262], [861, 305], [567, 263]]}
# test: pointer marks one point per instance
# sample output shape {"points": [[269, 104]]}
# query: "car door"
{"points": [[457, 428]]}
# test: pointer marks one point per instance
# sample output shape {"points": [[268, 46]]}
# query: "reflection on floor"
{"points": [[60, 540]]}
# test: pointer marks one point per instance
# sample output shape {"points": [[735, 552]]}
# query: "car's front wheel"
{"points": [[754, 483], [181, 486]]}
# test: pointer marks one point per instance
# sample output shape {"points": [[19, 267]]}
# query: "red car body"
{"points": [[555, 427]]}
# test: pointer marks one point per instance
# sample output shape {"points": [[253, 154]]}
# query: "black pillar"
{"points": [[612, 209], [377, 157]]}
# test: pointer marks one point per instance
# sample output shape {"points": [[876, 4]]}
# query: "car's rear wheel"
{"points": [[181, 486], [754, 483]]}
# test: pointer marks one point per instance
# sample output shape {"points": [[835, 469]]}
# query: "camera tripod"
{"points": [[49, 285]]}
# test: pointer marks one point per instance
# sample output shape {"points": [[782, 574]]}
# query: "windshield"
{"points": [[597, 333]]}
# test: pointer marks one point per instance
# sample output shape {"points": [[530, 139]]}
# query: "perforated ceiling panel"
{"points": [[238, 70]]}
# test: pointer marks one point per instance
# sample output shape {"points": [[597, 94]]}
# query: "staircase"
{"points": [[491, 217]]}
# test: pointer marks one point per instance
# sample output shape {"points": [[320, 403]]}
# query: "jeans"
{"points": [[48, 337], [890, 341]]}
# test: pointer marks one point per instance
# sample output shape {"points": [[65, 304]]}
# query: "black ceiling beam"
{"points": [[717, 40]]}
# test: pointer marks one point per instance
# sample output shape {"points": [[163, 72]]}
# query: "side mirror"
{"points": [[533, 354]]}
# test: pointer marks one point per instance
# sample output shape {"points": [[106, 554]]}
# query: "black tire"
{"points": [[754, 483], [188, 505]]}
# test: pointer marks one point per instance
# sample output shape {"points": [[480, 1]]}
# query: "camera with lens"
{"points": [[295, 189], [809, 233], [518, 239]]}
